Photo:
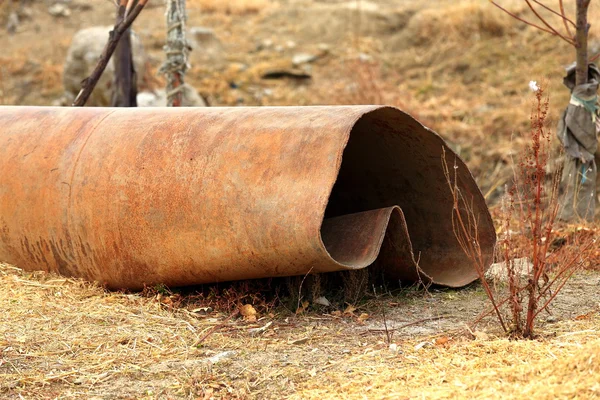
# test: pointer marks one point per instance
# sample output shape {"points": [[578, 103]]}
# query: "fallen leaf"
{"points": [[441, 341], [362, 318], [300, 341], [421, 345], [584, 316], [256, 331], [303, 307], [349, 310], [248, 312]]}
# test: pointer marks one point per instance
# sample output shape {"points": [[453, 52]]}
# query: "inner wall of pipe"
{"points": [[391, 160]]}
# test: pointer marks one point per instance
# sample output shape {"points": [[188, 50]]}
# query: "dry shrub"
{"points": [[236, 7], [461, 21], [526, 233]]}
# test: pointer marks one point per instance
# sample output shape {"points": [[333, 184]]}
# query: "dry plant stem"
{"points": [[569, 267], [176, 50], [90, 82], [562, 283], [388, 333], [386, 329], [563, 15], [214, 328], [595, 57], [513, 288], [489, 312], [467, 234], [554, 31], [300, 289], [538, 207], [535, 160]]}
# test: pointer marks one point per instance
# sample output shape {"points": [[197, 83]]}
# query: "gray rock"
{"points": [[82, 56], [499, 272], [59, 10], [322, 301], [204, 42], [158, 98], [303, 58]]}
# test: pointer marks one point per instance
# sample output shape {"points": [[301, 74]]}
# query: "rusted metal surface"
{"points": [[184, 196]]}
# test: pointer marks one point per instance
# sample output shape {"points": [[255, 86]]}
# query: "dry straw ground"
{"points": [[63, 338]]}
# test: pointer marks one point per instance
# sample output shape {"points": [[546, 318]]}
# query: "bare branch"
{"points": [[515, 16], [556, 33], [563, 15], [90, 82], [130, 4], [564, 18]]}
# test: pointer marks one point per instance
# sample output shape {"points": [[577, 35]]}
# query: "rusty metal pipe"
{"points": [[184, 196]]}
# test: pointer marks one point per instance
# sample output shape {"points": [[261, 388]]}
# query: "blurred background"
{"points": [[462, 67]]}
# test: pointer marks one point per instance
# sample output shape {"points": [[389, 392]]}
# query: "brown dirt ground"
{"points": [[63, 338]]}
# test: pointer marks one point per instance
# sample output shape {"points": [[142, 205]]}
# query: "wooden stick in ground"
{"points": [[581, 36], [125, 80], [88, 84]]}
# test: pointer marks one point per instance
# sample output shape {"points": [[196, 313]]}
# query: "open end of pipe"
{"points": [[391, 205]]}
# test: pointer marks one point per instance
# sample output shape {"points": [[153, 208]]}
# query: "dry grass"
{"points": [[465, 20], [235, 7], [565, 367], [64, 338], [57, 331]]}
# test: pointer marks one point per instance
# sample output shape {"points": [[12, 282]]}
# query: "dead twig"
{"points": [[554, 31], [388, 330], [563, 15], [120, 28], [215, 328], [515, 16], [465, 226]]}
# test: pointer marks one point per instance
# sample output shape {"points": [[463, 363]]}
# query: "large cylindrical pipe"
{"points": [[184, 196]]}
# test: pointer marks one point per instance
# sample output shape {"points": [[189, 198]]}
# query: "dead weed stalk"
{"points": [[532, 281]]}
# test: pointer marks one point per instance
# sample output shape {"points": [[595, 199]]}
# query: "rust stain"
{"points": [[185, 196]]}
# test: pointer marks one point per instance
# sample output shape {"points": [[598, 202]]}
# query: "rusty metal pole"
{"points": [[180, 196]]}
